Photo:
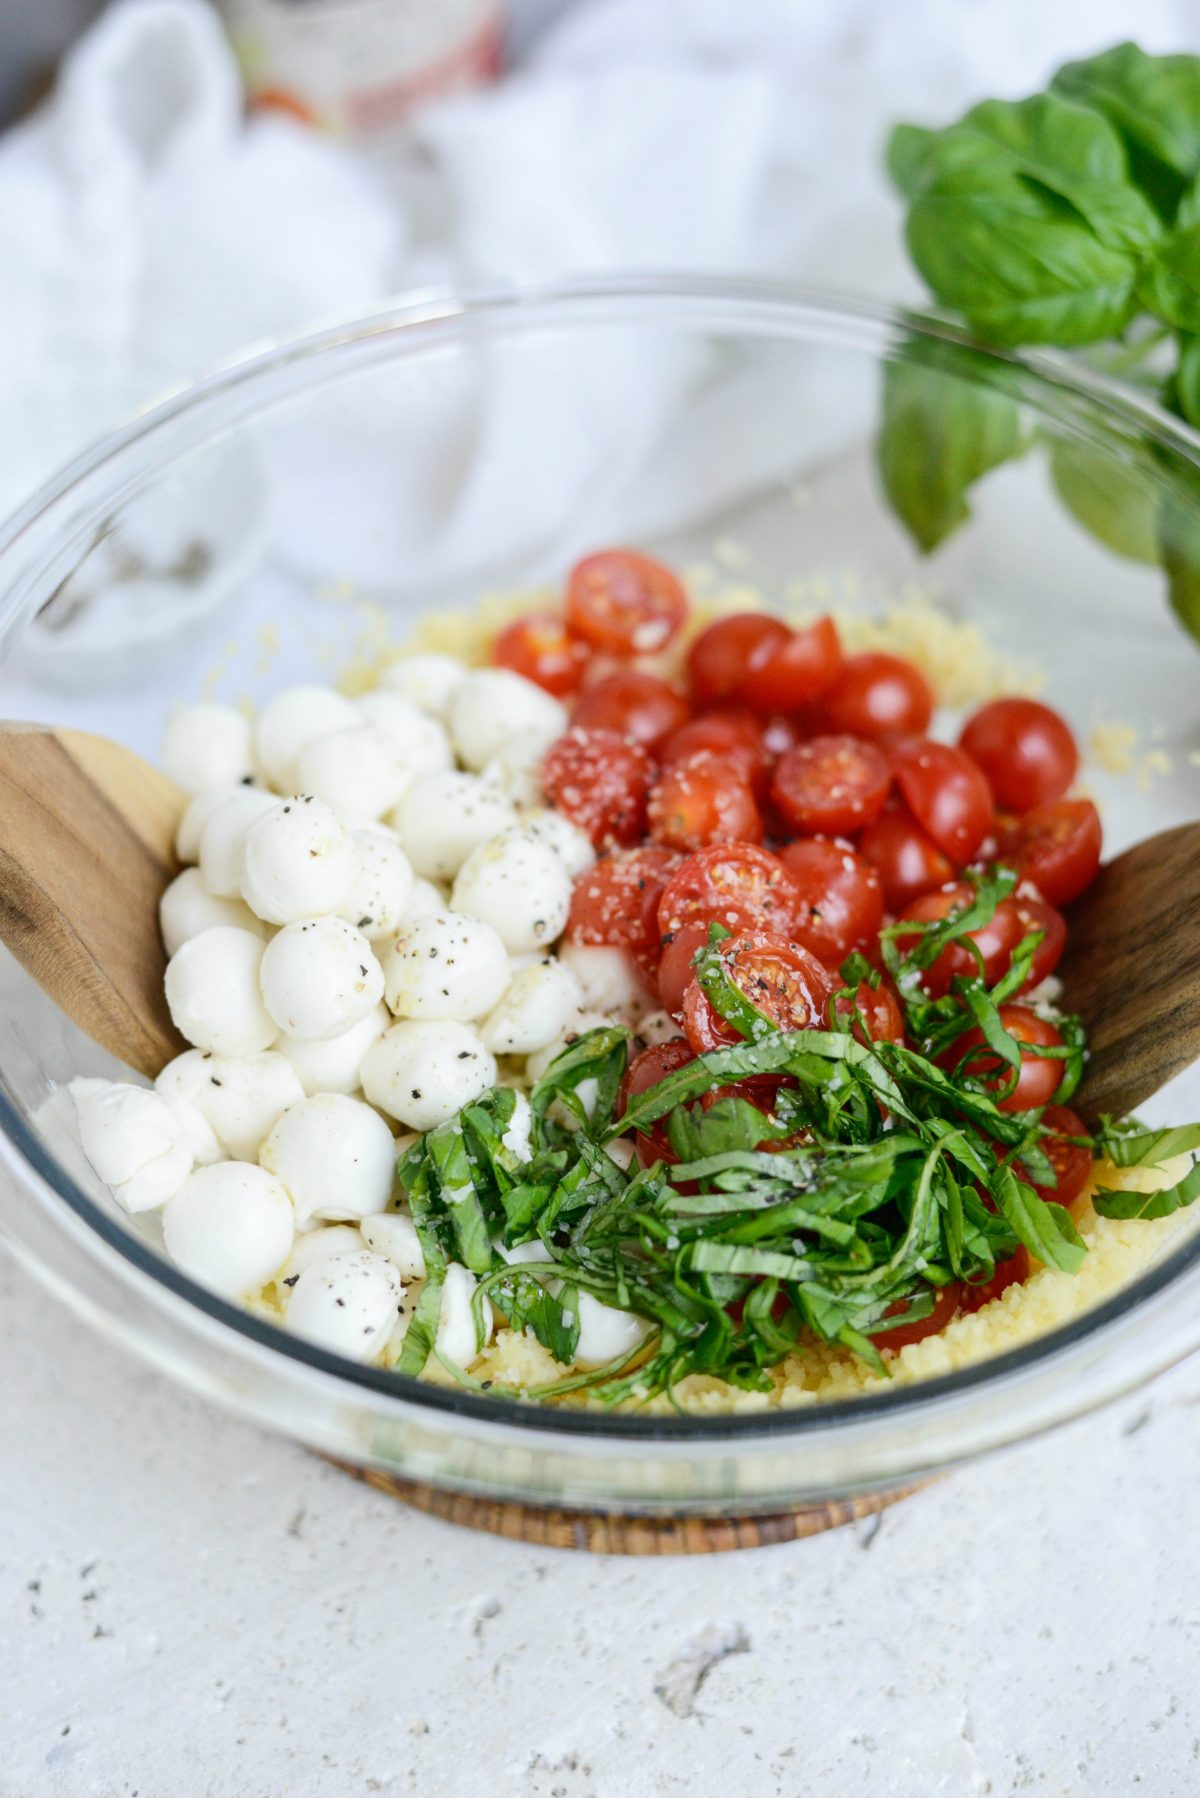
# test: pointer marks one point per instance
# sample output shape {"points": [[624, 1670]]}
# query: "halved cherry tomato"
{"points": [[701, 801], [880, 1011], [946, 1301], [995, 940], [878, 695], [1034, 914], [600, 782], [840, 898], [624, 602], [738, 885], [779, 734], [540, 647], [676, 964], [730, 731], [787, 984], [1025, 749], [616, 902], [634, 705], [729, 650], [833, 785], [1070, 1161], [643, 1072], [1040, 1075], [946, 794], [799, 671], [1057, 848], [1011, 1272], [907, 861]]}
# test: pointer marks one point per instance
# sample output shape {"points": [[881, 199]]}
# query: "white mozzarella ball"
{"points": [[319, 1244], [518, 1137], [457, 1336], [353, 770], [622, 1152], [223, 838], [443, 817], [196, 814], [212, 987], [423, 898], [539, 1004], [657, 1027], [422, 1073], [382, 885], [332, 1066], [526, 1254], [319, 977], [429, 681], [239, 1097], [493, 705], [445, 966], [207, 746], [606, 1333], [607, 975], [394, 1235], [346, 1303], [516, 769], [519, 887], [230, 1227], [133, 1140], [187, 907], [298, 861], [335, 1156], [418, 742], [581, 1023], [294, 719], [573, 846]]}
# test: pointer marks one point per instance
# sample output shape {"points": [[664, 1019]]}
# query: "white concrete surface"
{"points": [[194, 1610]]}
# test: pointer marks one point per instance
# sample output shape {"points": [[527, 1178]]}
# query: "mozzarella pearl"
{"points": [[607, 975], [418, 742], [493, 705], [347, 1304], [187, 907], [518, 1138], [516, 769], [195, 816], [294, 719], [354, 770], [605, 1332], [428, 681], [223, 838], [335, 1156], [538, 1005], [239, 1097], [133, 1141], [527, 1254], [457, 1338], [445, 966], [212, 986], [393, 1235], [298, 861], [573, 846], [519, 887], [443, 817], [207, 746], [422, 1073], [582, 1022], [622, 1152], [382, 885], [318, 1245], [332, 1066], [230, 1227], [423, 898], [320, 977]]}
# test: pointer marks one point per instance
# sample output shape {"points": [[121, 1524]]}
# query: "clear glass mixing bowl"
{"points": [[325, 492]]}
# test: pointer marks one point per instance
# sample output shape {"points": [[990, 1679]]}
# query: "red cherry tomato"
{"points": [[1012, 1272], [1025, 749], [995, 941], [734, 884], [907, 861], [799, 671], [643, 1072], [1033, 915], [1071, 1162], [833, 785], [616, 902], [946, 794], [946, 1301], [785, 983], [702, 801], [731, 732], [676, 965], [841, 898], [634, 705], [624, 602], [1057, 848], [729, 650], [880, 1011], [878, 695], [1040, 1075], [600, 782], [540, 647]]}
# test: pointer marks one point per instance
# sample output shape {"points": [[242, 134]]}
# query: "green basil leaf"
{"points": [[940, 434], [421, 1333], [1169, 284], [1179, 537], [1154, 103], [1186, 385], [1150, 1204], [1113, 503], [1129, 1145], [1046, 1229], [911, 157]]}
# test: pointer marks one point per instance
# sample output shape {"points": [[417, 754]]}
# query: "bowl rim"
{"points": [[775, 308]]}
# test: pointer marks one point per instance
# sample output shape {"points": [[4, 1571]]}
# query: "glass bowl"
{"points": [[404, 463]]}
